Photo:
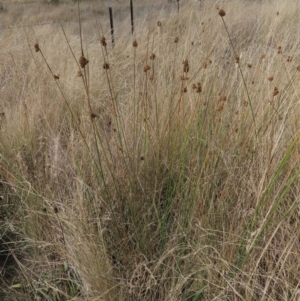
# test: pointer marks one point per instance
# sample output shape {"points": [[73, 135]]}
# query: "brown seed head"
{"points": [[220, 107], [249, 65], [279, 49], [194, 86], [176, 40], [146, 68], [79, 73], [204, 65], [106, 66], [222, 13], [184, 89], [103, 41], [134, 44], [158, 23], [289, 59], [151, 77], [56, 76], [186, 66], [298, 68], [93, 115], [83, 61], [55, 210], [276, 91], [36, 47], [237, 59], [263, 56], [152, 56], [270, 78], [199, 88]]}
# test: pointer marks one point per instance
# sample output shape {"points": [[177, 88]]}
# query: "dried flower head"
{"points": [[152, 56], [103, 41], [270, 78], [83, 61], [56, 76], [204, 65], [263, 56], [199, 88], [106, 66], [176, 40], [237, 59], [279, 49], [55, 210], [249, 65], [184, 89], [36, 47], [220, 107], [289, 59], [146, 68], [134, 44], [194, 86], [93, 115], [158, 23], [298, 68], [276, 91], [277, 13], [151, 77], [79, 73], [186, 66], [183, 77], [222, 13], [222, 98]]}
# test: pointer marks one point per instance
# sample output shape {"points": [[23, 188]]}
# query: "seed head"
{"points": [[176, 40], [237, 59], [103, 41], [83, 61], [79, 73], [276, 91], [184, 89], [56, 76], [222, 13], [220, 107], [158, 23], [290, 58], [93, 115], [279, 49], [106, 66], [298, 68], [134, 44], [249, 65], [204, 65], [36, 47], [270, 78], [186, 66], [146, 68], [152, 56], [199, 88], [55, 210]]}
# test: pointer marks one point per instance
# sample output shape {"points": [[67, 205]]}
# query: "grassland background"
{"points": [[167, 171]]}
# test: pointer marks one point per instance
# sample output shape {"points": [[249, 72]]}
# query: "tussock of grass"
{"points": [[166, 168]]}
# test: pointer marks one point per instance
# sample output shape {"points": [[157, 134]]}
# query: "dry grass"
{"points": [[168, 170]]}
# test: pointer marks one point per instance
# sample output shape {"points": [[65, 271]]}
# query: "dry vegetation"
{"points": [[166, 168]]}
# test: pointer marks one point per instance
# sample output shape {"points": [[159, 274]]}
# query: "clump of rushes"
{"points": [[83, 61]]}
